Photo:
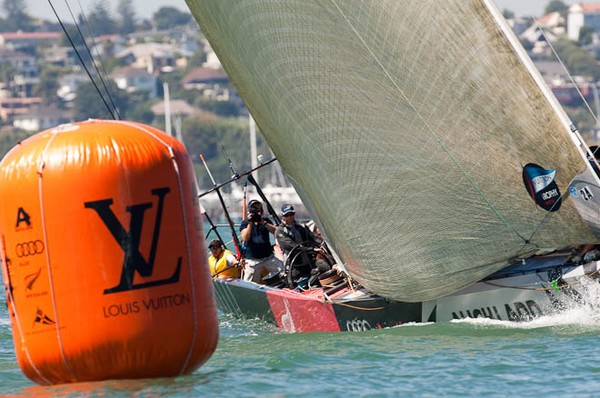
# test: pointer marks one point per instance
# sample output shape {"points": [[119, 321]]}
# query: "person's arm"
{"points": [[231, 260], [246, 231], [272, 228]]}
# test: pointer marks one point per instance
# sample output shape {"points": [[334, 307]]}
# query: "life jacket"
{"points": [[218, 265]]}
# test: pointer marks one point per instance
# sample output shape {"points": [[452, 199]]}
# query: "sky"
{"points": [[145, 8], [534, 8]]}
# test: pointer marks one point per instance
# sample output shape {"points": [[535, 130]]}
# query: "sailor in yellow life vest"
{"points": [[222, 262]]}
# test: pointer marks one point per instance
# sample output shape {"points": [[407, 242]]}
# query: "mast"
{"points": [[253, 150], [167, 100]]}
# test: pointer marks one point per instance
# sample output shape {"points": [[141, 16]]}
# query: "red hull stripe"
{"points": [[294, 312]]}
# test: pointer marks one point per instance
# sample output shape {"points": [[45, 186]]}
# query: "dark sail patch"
{"points": [[541, 186]]}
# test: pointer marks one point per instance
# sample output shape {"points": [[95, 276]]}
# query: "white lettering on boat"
{"points": [[518, 311]]}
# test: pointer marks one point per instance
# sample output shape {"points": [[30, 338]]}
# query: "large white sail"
{"points": [[405, 127]]}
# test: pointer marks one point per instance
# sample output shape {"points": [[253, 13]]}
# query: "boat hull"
{"points": [[300, 313], [518, 294]]}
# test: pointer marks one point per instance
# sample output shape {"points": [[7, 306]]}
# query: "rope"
{"points": [[355, 307]]}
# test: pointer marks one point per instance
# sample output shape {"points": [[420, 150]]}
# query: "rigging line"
{"points": [[574, 130], [81, 59], [548, 214], [590, 155], [235, 173], [566, 70], [102, 75], [438, 139]]}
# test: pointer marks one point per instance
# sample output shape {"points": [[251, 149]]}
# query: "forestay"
{"points": [[405, 126]]}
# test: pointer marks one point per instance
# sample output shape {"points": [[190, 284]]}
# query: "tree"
{"points": [[556, 6], [142, 112], [9, 139], [586, 35], [205, 133], [170, 17], [16, 15], [7, 75], [127, 17], [89, 103], [100, 21], [577, 60], [221, 108], [48, 85]]}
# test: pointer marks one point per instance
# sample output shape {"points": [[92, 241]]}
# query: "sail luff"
{"points": [[409, 146], [520, 51]]}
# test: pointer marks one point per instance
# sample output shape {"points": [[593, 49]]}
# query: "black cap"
{"points": [[287, 209], [254, 202]]}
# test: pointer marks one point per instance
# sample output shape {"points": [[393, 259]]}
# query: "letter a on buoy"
{"points": [[103, 255]]}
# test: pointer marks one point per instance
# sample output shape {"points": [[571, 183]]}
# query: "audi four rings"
{"points": [[31, 248]]}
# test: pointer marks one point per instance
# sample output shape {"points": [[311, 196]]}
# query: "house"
{"points": [[28, 41], [553, 72], [553, 24], [580, 15], [570, 94], [25, 74], [41, 118], [211, 83], [154, 57], [67, 85], [212, 61], [13, 107], [60, 56], [202, 78], [177, 107], [134, 79]]}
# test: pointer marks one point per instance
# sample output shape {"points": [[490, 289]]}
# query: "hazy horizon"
{"points": [[146, 8], [143, 8]]}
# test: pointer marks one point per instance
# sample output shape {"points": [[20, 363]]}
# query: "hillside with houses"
{"points": [[118, 67], [50, 75]]}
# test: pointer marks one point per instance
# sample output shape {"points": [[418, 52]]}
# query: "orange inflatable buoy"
{"points": [[103, 255]]}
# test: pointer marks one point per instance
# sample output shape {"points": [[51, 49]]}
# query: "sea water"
{"points": [[550, 356]]}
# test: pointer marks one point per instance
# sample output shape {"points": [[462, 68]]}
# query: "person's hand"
{"points": [[254, 217]]}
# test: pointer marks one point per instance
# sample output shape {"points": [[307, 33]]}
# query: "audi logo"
{"points": [[358, 325], [31, 248]]}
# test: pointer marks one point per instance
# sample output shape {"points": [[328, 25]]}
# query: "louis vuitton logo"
{"points": [[129, 241]]}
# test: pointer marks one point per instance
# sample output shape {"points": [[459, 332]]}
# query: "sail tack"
{"points": [[405, 127]]}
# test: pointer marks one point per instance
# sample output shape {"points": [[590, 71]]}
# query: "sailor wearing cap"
{"points": [[259, 251], [291, 234]]}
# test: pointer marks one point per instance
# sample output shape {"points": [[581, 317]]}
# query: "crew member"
{"points": [[258, 253], [221, 261], [295, 239]]}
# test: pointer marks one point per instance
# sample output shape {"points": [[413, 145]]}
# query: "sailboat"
{"points": [[443, 173]]}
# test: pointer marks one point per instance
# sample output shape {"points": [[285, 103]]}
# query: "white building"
{"points": [[133, 79], [580, 15]]}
